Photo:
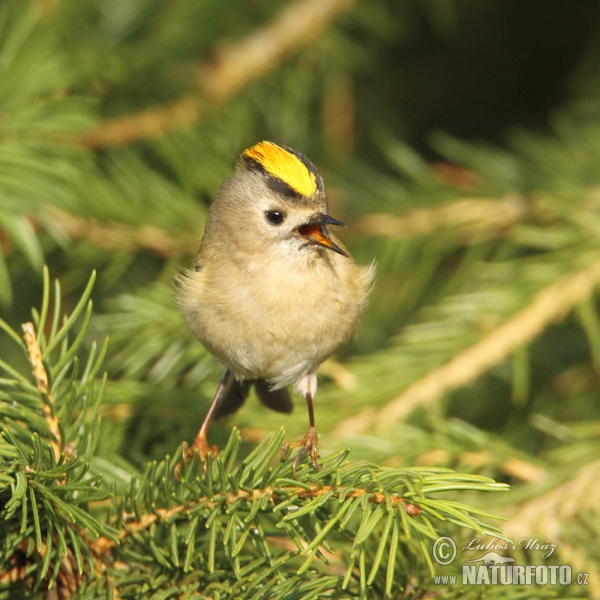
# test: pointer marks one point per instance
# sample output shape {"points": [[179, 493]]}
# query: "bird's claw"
{"points": [[308, 446], [201, 444], [187, 453]]}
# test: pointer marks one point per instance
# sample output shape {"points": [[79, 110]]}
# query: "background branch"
{"points": [[550, 305], [233, 67]]}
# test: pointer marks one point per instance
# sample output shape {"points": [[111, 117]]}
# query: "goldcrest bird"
{"points": [[272, 293]]}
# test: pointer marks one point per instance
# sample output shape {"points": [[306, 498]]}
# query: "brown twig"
{"points": [[17, 569], [234, 67], [41, 380]]}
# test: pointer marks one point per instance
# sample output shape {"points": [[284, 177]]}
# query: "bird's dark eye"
{"points": [[275, 217]]}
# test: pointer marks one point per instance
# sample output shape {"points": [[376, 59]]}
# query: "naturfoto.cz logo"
{"points": [[493, 568]]}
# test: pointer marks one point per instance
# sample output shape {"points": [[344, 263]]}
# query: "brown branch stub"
{"points": [[41, 380], [233, 68]]}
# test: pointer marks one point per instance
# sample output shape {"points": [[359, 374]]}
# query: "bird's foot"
{"points": [[308, 445], [200, 444]]}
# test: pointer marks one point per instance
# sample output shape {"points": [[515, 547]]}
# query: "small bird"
{"points": [[272, 293]]}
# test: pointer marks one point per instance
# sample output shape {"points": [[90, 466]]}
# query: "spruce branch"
{"points": [[48, 435], [550, 305], [219, 513]]}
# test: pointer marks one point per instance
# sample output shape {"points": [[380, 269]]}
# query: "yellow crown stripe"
{"points": [[284, 165]]}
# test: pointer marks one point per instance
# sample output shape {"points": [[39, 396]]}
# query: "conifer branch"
{"points": [[133, 526], [299, 23], [274, 496], [550, 305]]}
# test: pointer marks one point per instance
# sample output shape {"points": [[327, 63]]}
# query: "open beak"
{"points": [[314, 233]]}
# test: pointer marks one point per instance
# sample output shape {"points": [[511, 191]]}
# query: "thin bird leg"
{"points": [[311, 411], [309, 443], [201, 441]]}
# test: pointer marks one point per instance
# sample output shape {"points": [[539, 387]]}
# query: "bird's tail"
{"points": [[236, 392]]}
